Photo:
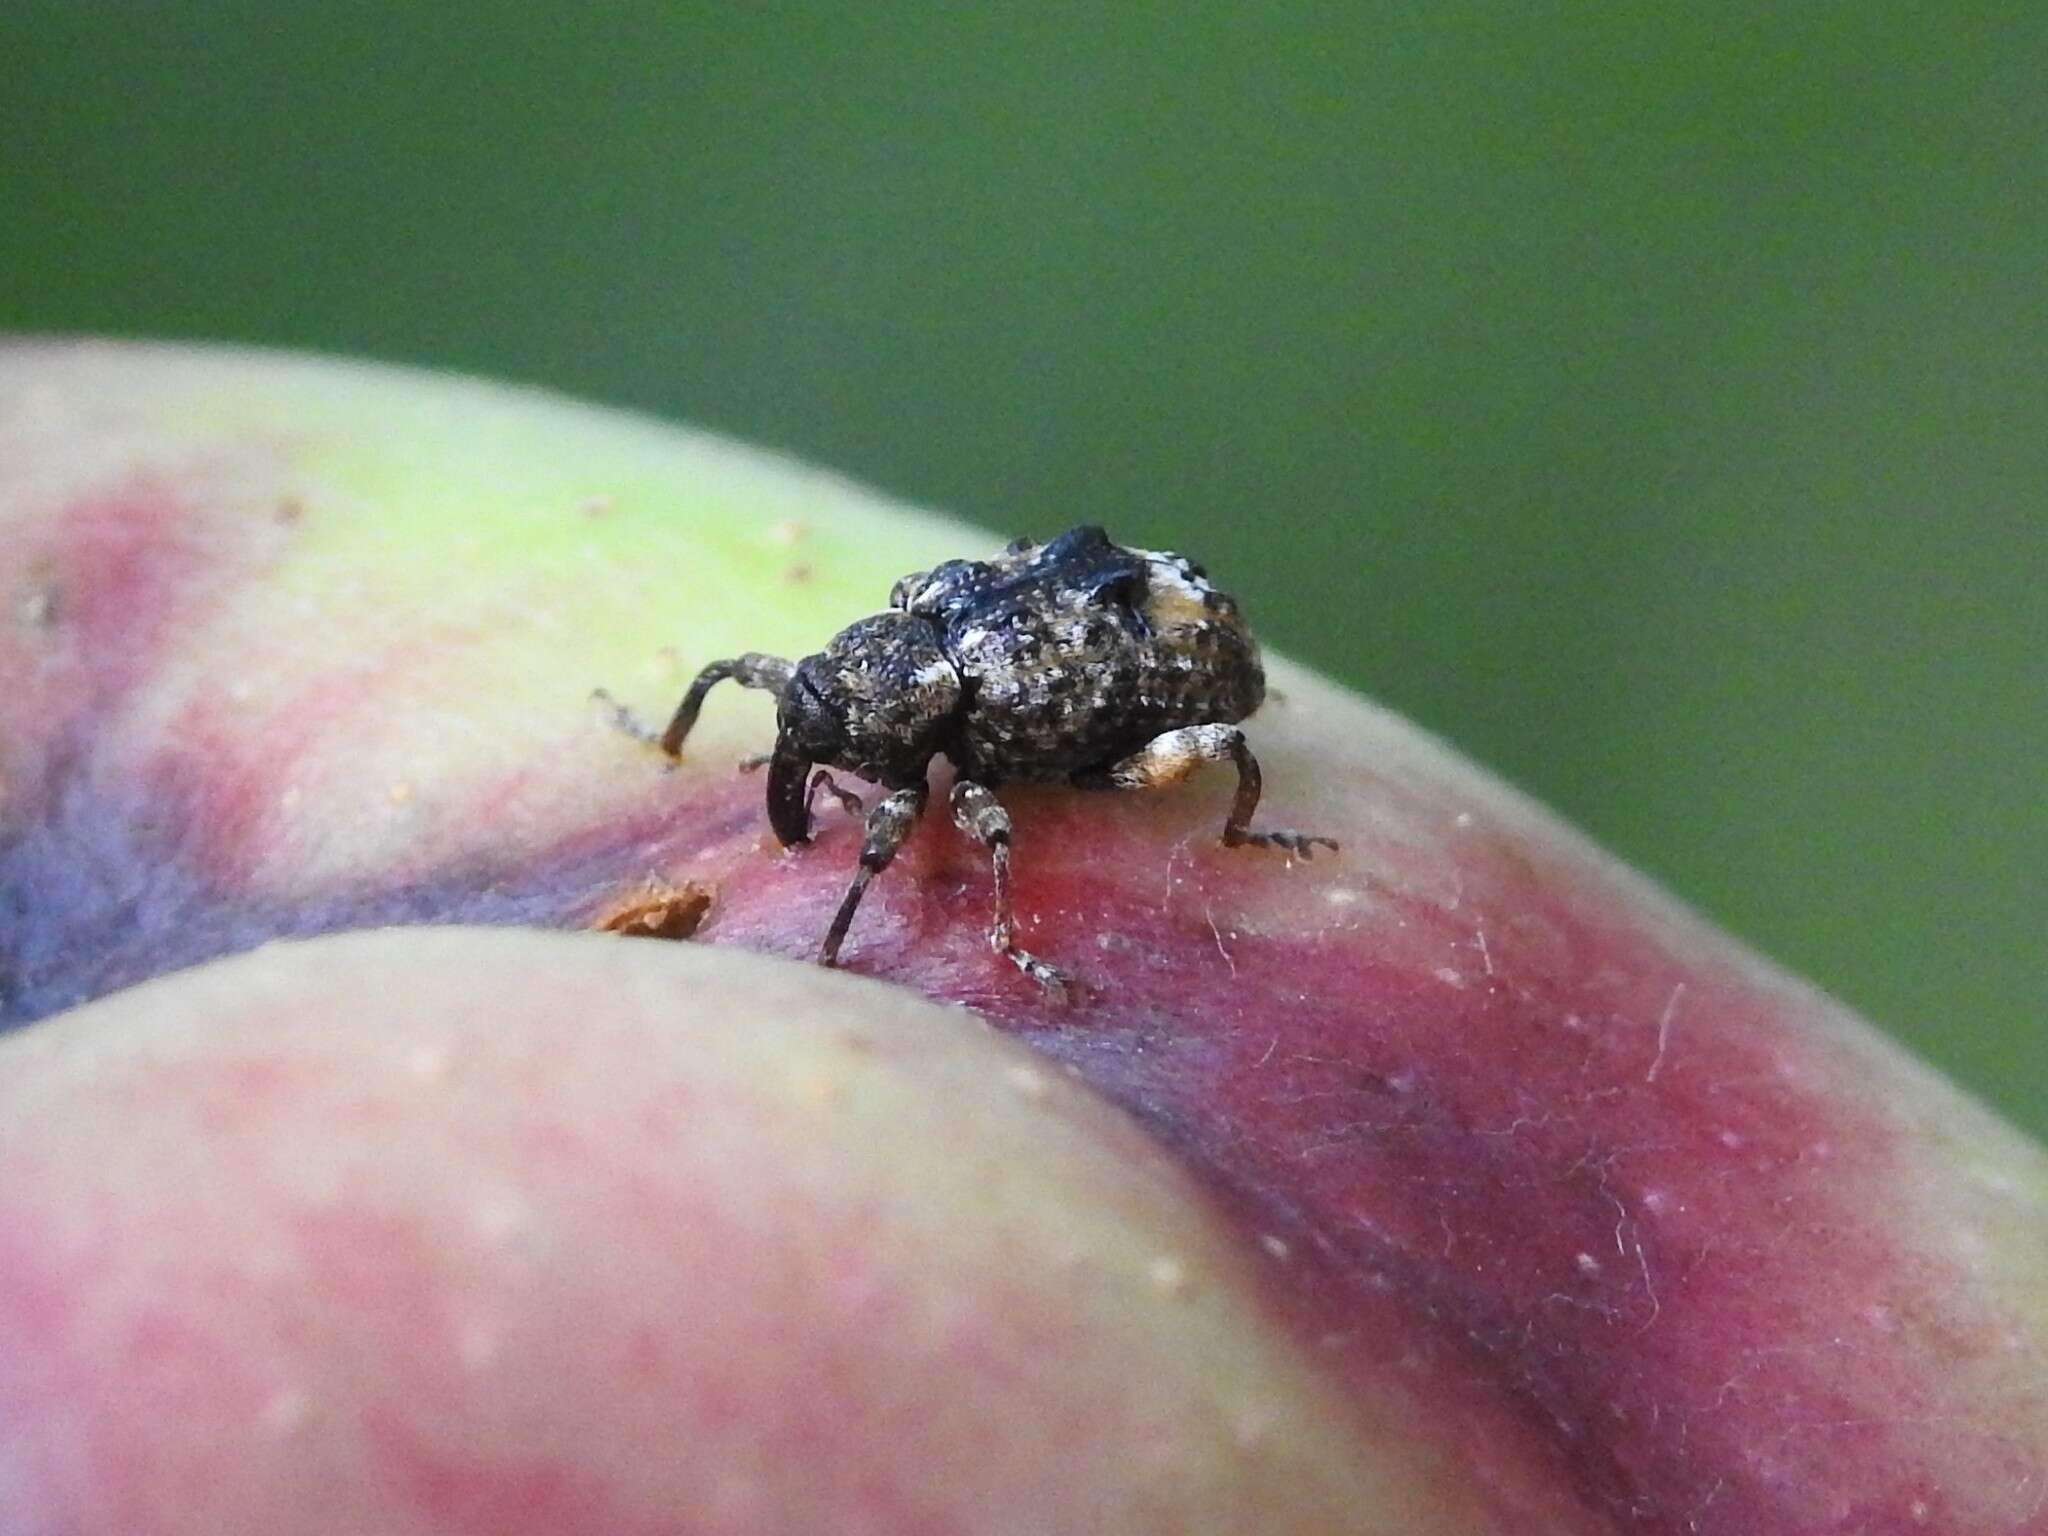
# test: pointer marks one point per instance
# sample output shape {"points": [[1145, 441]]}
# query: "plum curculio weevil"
{"points": [[1078, 661]]}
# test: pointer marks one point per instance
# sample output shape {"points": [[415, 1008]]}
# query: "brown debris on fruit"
{"points": [[656, 909]]}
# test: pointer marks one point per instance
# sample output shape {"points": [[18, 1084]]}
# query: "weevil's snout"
{"points": [[807, 731], [789, 808]]}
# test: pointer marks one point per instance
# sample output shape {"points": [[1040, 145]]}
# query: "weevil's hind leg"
{"points": [[889, 824], [978, 813], [753, 670], [1174, 755]]}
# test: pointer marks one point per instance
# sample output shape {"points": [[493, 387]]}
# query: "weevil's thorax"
{"points": [[1077, 652], [877, 701]]}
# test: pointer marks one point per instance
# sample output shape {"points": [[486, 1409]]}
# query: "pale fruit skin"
{"points": [[1460, 1182]]}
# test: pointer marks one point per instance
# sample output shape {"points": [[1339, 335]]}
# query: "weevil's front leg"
{"points": [[889, 823], [978, 813], [849, 802], [1173, 755], [753, 670]]}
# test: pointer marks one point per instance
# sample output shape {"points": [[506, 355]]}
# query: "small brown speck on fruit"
{"points": [[288, 511], [797, 575], [656, 909], [598, 506]]}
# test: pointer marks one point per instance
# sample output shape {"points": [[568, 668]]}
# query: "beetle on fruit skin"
{"points": [[1078, 661]]}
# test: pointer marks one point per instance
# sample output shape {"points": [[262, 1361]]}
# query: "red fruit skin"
{"points": [[1523, 1147], [1594, 1194]]}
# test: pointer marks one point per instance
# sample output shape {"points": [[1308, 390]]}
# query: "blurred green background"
{"points": [[1651, 398]]}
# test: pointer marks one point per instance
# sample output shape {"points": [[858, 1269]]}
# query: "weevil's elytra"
{"points": [[1078, 662]]}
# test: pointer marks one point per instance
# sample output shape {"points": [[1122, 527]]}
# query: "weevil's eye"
{"points": [[1020, 546], [905, 591]]}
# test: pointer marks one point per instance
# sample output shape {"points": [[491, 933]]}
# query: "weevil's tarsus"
{"points": [[624, 720]]}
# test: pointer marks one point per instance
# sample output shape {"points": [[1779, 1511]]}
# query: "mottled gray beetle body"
{"points": [[1074, 654], [1077, 661]]}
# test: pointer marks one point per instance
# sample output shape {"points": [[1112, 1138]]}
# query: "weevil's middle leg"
{"points": [[889, 825], [978, 813], [753, 670], [1172, 756]]}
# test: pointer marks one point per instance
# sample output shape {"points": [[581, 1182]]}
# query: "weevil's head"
{"points": [[878, 701]]}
